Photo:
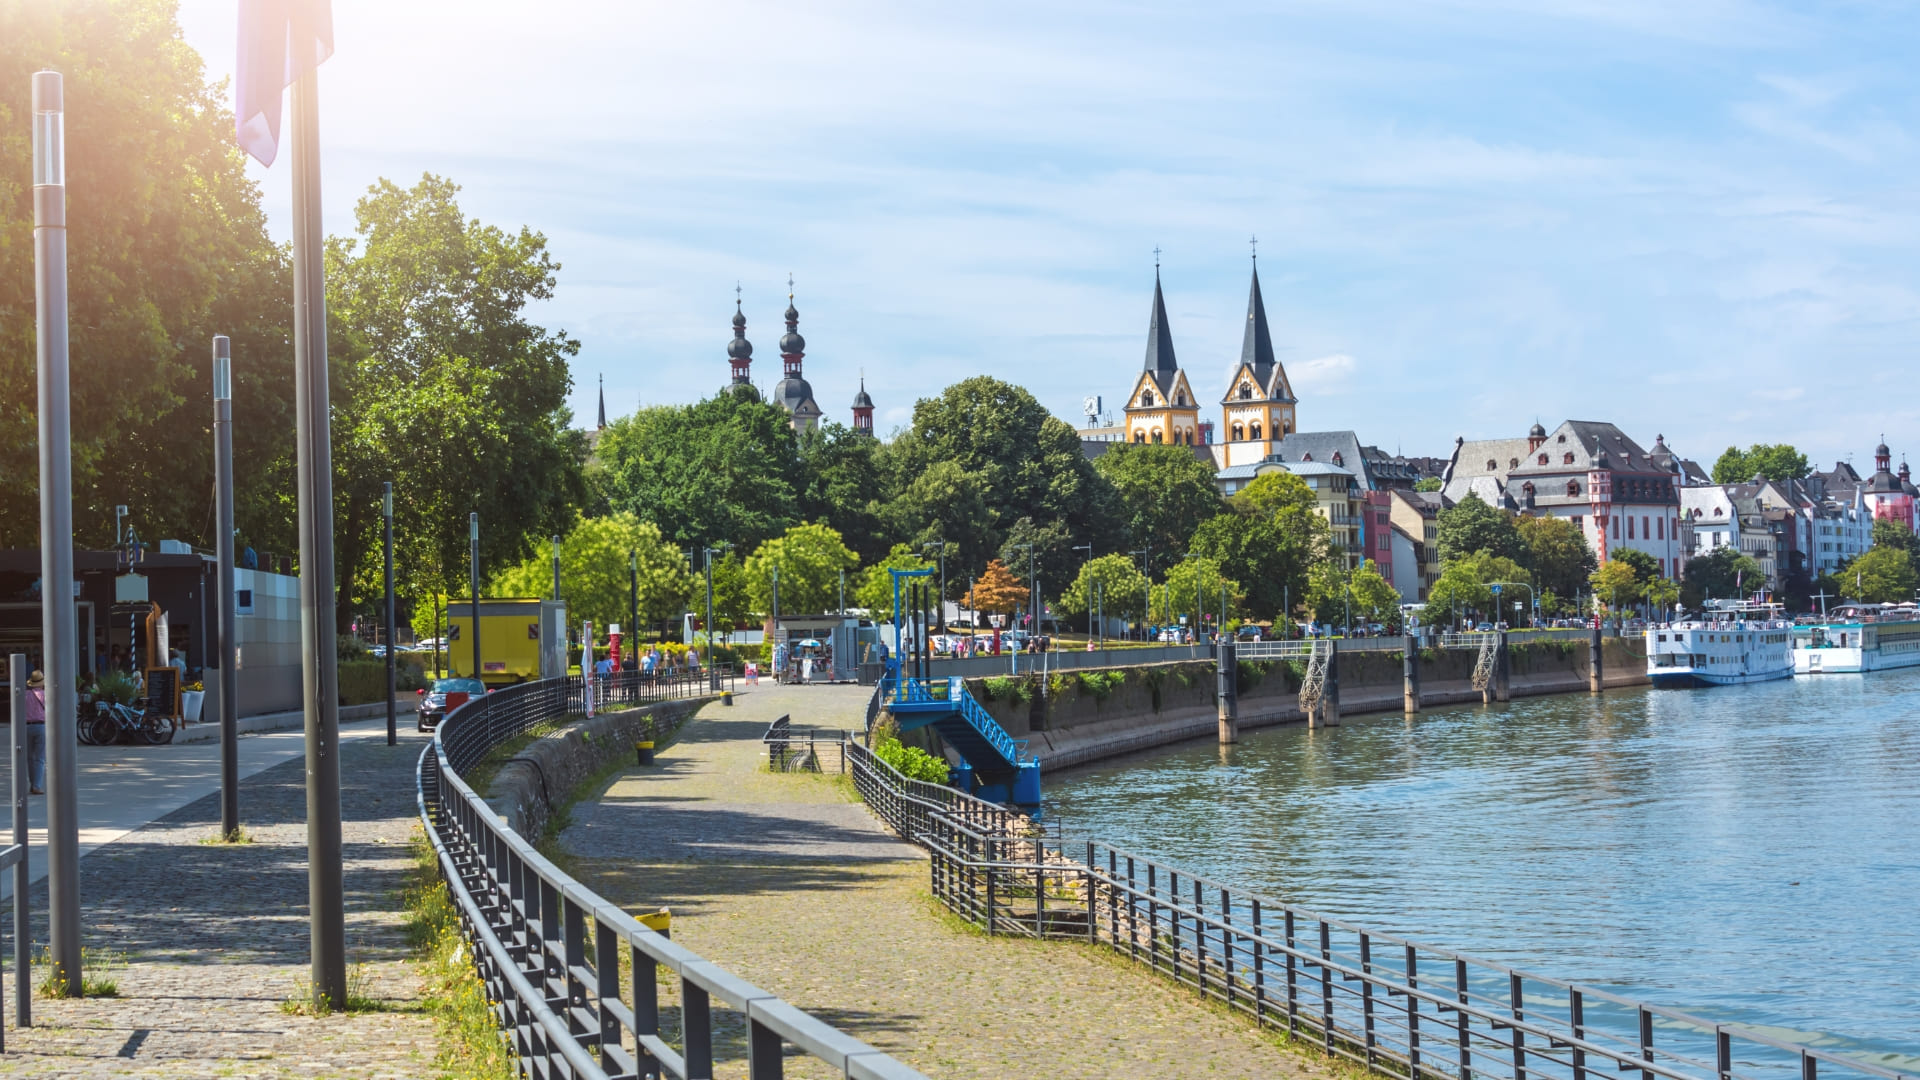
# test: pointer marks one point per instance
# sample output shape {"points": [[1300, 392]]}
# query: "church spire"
{"points": [[1256, 347], [603, 402], [1160, 358], [863, 409], [740, 350]]}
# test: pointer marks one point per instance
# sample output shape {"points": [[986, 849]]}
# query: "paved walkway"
{"points": [[208, 941], [787, 882]]}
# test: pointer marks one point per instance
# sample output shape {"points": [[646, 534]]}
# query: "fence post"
{"points": [[22, 926]]}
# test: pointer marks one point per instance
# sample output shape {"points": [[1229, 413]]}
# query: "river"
{"points": [[1750, 854]]}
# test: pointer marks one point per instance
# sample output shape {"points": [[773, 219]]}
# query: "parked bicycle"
{"points": [[113, 722]]}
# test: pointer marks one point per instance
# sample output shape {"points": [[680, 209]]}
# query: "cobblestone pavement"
{"points": [[833, 915], [207, 941]]}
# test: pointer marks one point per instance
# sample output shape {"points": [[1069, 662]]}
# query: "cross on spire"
{"points": [[789, 284], [736, 294], [1254, 242], [1156, 258]]}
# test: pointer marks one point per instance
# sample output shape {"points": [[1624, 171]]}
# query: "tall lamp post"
{"points": [[556, 569], [1033, 605], [473, 582], [386, 519], [224, 614], [941, 555], [1146, 570], [57, 629], [633, 597], [713, 673], [1088, 548]]}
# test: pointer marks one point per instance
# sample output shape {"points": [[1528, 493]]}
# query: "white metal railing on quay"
{"points": [[1395, 1006], [549, 950]]}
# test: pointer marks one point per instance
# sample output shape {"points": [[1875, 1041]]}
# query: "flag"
{"points": [[280, 40]]}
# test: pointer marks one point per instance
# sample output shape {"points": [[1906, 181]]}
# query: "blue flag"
{"points": [[280, 40]]}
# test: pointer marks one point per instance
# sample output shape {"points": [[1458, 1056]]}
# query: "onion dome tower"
{"points": [[793, 393], [740, 350], [863, 410]]}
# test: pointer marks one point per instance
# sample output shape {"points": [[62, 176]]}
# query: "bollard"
{"points": [[643, 752], [1228, 692], [1595, 682], [726, 697], [1502, 670], [1410, 673], [1330, 697]]}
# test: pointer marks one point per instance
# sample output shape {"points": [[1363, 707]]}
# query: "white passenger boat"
{"points": [[1728, 644], [1859, 637]]}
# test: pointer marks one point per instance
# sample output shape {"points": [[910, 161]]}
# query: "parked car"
{"points": [[1484, 628], [443, 697]]}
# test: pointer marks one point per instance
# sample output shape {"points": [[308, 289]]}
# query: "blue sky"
{"points": [[1695, 219]]}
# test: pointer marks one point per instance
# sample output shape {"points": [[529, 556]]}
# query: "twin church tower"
{"points": [[792, 393], [1256, 413]]}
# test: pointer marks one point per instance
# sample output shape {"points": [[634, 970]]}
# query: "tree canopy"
{"points": [[810, 559], [1465, 585], [1471, 525], [876, 582], [1884, 575], [596, 556], [1113, 583], [1723, 573], [720, 470], [1164, 492], [1770, 461], [1268, 541], [999, 590], [1557, 555]]}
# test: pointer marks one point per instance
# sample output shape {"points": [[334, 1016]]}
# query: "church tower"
{"points": [[793, 393], [1161, 408], [740, 350], [863, 410], [603, 403], [1258, 410]]}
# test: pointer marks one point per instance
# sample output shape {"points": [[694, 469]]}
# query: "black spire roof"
{"points": [[1256, 348], [861, 400], [1160, 358], [739, 348], [603, 401]]}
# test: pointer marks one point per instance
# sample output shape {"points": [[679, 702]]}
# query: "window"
{"points": [[1180, 397], [1492, 465], [1306, 457], [1139, 436], [1246, 391], [1561, 439], [1567, 459], [1662, 530], [1616, 528], [1527, 489], [1239, 433], [1513, 463], [1543, 459], [1253, 429], [1156, 435], [1579, 521], [1146, 397], [1573, 487], [1717, 512], [1629, 526], [1336, 458]]}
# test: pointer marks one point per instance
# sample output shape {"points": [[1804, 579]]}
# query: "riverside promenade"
{"points": [[206, 942], [787, 881]]}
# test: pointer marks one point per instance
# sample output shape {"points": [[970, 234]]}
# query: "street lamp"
{"points": [[386, 519], [941, 555], [1146, 570], [713, 672], [1088, 548], [473, 582], [556, 569], [1033, 605]]}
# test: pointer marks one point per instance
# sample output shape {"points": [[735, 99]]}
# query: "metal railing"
{"points": [[791, 749], [549, 950], [1392, 1005]]}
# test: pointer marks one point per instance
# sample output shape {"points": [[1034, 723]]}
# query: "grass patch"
{"points": [[471, 1046], [239, 836], [302, 1001], [480, 776], [97, 979]]}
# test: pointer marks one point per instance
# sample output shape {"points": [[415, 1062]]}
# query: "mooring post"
{"points": [[1502, 669], [1410, 672], [1228, 693], [1595, 684], [1330, 697]]}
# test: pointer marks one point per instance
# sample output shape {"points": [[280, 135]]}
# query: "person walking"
{"points": [[34, 714]]}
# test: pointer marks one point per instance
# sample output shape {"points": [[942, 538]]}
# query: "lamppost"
{"points": [[1146, 570], [386, 520], [713, 673], [1531, 598], [941, 555], [556, 569], [1033, 584], [225, 615], [1196, 599], [1088, 548], [633, 597], [473, 602]]}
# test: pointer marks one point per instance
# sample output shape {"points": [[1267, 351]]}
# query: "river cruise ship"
{"points": [[1859, 637], [1725, 645]]}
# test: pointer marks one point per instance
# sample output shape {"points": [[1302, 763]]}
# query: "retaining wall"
{"points": [[541, 776]]}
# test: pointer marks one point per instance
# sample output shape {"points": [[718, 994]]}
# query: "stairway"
{"points": [[996, 761]]}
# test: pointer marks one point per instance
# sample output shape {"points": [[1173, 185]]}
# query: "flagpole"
{"points": [[326, 903]]}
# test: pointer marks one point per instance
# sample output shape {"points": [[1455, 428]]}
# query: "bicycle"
{"points": [[112, 722]]}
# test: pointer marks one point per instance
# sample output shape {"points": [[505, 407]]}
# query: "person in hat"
{"points": [[35, 717]]}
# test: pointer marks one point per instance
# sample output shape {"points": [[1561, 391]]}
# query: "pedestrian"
{"points": [[35, 717]]}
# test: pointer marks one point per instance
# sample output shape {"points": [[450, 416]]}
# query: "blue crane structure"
{"points": [[993, 764]]}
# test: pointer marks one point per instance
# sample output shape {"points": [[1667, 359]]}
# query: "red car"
{"points": [[444, 696]]}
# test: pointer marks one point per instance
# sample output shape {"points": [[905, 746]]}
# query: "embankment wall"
{"points": [[531, 783]]}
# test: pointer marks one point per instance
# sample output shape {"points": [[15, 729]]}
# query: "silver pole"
{"points": [[59, 635], [22, 919], [225, 617], [473, 600], [386, 514], [321, 686]]}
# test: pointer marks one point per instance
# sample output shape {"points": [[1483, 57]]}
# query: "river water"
{"points": [[1748, 854]]}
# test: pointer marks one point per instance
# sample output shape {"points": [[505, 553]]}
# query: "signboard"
{"points": [[163, 690], [130, 589], [1495, 588]]}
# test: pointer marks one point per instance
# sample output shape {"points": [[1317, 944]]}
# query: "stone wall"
{"points": [[541, 776]]}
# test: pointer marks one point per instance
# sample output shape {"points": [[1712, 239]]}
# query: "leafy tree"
{"points": [[595, 558], [1883, 575], [1374, 596], [876, 583], [1557, 554], [1892, 534], [1660, 593], [1366, 595], [1427, 483], [1645, 567], [810, 559], [432, 352], [999, 590], [1052, 559], [1164, 491], [1616, 583], [720, 470], [1272, 536], [843, 485], [948, 503], [1464, 586], [169, 246], [1471, 525], [1723, 573], [1121, 588], [1772, 461], [732, 602], [1196, 584]]}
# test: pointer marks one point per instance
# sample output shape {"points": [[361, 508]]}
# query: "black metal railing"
{"points": [[550, 951], [1395, 1006], [792, 749]]}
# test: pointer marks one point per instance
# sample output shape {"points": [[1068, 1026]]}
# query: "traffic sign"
{"points": [[1496, 589]]}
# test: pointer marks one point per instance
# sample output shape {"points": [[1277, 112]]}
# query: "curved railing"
{"points": [[550, 951]]}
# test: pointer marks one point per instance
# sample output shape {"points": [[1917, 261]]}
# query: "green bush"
{"points": [[1099, 684], [347, 647], [116, 686], [911, 761]]}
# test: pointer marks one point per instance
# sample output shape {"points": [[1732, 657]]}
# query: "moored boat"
{"points": [[1858, 638], [1727, 644]]}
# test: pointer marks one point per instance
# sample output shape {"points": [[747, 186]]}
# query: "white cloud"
{"points": [[1322, 375]]}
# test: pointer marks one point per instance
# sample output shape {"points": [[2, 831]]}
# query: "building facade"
{"points": [[1162, 408]]}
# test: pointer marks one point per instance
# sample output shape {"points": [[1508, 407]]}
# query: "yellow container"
{"points": [[660, 922]]}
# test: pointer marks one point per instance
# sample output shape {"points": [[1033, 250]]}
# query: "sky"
{"points": [[1699, 220]]}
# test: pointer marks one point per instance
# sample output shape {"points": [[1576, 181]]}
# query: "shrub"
{"points": [[911, 761], [116, 686], [1099, 684], [348, 647]]}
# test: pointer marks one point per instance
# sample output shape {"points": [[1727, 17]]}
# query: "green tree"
{"points": [[432, 354], [1723, 573], [1194, 585], [1427, 483], [948, 503], [168, 247], [595, 558], [720, 470], [1660, 593], [843, 485], [1366, 596], [1164, 491], [1272, 536], [1645, 567], [1120, 592], [1557, 555], [732, 602], [876, 581], [1892, 534], [810, 559], [1471, 525], [1771, 461], [1884, 575], [1616, 584], [1465, 587]]}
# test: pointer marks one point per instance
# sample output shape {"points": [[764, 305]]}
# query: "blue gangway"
{"points": [[996, 766]]}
